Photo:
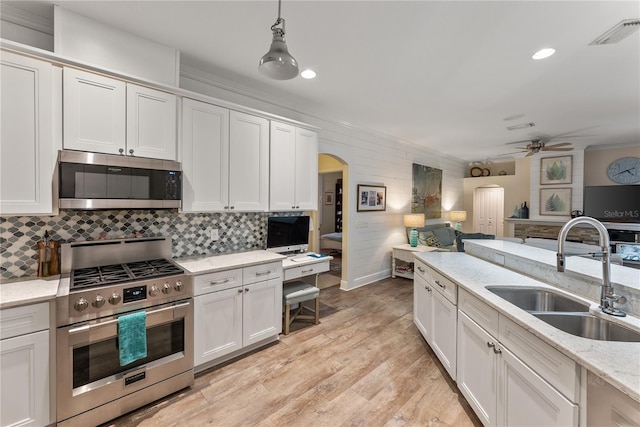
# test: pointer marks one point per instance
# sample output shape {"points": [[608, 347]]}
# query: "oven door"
{"points": [[88, 363]]}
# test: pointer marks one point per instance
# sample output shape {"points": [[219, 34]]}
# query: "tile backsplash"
{"points": [[190, 233]]}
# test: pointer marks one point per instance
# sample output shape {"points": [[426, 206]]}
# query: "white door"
{"points": [[306, 176], [282, 168], [205, 157], [488, 210], [422, 306], [94, 112], [218, 324], [262, 310], [28, 138], [248, 162], [443, 335], [151, 123]]}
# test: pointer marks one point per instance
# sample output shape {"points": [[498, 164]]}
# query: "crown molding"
{"points": [[26, 19]]}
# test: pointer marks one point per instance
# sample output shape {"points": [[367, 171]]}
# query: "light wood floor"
{"points": [[365, 364]]}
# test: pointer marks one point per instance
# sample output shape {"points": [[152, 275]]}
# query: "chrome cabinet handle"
{"points": [[490, 344], [131, 151], [440, 284], [121, 151], [239, 291], [219, 282], [306, 271], [420, 269], [262, 273], [246, 289], [496, 350]]}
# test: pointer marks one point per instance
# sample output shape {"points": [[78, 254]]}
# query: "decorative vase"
{"points": [[413, 238]]}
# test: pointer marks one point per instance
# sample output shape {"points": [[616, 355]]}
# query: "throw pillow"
{"points": [[423, 236], [434, 241], [446, 235]]}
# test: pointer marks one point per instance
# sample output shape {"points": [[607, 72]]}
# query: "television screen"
{"points": [[287, 233], [613, 203]]}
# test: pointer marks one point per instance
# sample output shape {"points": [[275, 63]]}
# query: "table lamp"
{"points": [[458, 217], [413, 221]]}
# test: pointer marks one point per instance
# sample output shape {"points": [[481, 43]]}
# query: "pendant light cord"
{"points": [[278, 22]]}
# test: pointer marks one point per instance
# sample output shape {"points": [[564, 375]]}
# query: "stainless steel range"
{"points": [[103, 281]]}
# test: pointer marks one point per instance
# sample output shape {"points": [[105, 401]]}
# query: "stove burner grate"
{"points": [[120, 273]]}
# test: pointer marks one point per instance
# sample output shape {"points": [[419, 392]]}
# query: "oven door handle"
{"points": [[108, 329]]}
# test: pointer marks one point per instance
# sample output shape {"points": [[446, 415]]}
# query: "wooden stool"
{"points": [[297, 293]]}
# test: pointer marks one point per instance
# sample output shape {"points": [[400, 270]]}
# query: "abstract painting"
{"points": [[426, 194]]}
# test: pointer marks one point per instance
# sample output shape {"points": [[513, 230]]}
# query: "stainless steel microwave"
{"points": [[106, 181]]}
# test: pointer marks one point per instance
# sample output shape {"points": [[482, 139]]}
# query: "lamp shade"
{"points": [[414, 220], [458, 216]]}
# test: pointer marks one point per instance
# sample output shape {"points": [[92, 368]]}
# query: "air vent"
{"points": [[521, 126], [622, 30]]}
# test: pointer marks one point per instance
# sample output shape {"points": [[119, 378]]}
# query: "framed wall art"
{"points": [[555, 201], [426, 194], [328, 198], [372, 198], [556, 170]]}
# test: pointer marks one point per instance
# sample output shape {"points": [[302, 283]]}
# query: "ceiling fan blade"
{"points": [[528, 141], [560, 144], [529, 154], [509, 154], [555, 149]]}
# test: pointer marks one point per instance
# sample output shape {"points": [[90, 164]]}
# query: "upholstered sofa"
{"points": [[441, 236]]}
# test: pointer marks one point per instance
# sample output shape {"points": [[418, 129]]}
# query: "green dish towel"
{"points": [[132, 335]]}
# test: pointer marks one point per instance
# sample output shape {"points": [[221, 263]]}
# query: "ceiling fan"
{"points": [[535, 146]]}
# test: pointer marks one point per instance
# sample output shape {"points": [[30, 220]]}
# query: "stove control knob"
{"points": [[154, 291], [81, 304], [98, 301], [178, 286], [114, 298], [166, 288]]}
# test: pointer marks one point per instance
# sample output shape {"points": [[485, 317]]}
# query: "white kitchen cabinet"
{"points": [[248, 163], [294, 168], [435, 314], [608, 406], [30, 126], [235, 311], [106, 115], [24, 366], [205, 157], [498, 385]]}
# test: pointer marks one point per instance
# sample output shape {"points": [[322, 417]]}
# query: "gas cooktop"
{"points": [[112, 274]]}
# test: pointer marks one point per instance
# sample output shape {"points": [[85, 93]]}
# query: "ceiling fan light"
{"points": [[543, 53], [278, 63]]}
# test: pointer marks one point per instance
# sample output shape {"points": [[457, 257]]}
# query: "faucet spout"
{"points": [[607, 296]]}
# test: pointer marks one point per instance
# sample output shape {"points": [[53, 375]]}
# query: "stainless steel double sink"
{"points": [[565, 313]]}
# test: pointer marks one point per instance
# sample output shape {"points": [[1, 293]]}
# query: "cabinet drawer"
{"points": [[218, 281], [554, 367], [480, 312], [437, 281], [23, 320], [261, 272], [305, 270]]}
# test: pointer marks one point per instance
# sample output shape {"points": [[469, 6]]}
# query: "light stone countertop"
{"points": [[212, 263], [616, 362], [26, 291]]}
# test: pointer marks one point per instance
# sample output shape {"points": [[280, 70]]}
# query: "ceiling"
{"points": [[443, 75]]}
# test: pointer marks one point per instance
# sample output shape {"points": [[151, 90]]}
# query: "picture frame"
{"points": [[426, 191], [371, 198], [328, 198], [556, 170], [555, 201]]}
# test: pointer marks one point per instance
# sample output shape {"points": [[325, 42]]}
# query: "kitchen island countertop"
{"points": [[29, 290]]}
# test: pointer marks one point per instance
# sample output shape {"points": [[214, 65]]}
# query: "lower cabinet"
{"points": [[434, 313], [501, 388], [24, 366], [235, 310]]}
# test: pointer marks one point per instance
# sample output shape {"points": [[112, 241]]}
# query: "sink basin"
{"points": [[589, 326], [538, 299]]}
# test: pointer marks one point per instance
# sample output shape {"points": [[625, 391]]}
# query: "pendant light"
{"points": [[278, 63]]}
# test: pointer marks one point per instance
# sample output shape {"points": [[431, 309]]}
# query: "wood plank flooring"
{"points": [[365, 364]]}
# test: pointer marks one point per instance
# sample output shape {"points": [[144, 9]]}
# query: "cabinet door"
{"points": [[94, 112], [443, 332], [306, 173], [29, 133], [525, 399], [24, 368], [248, 162], [282, 168], [218, 324], [151, 123], [262, 310], [205, 157], [422, 306], [477, 368]]}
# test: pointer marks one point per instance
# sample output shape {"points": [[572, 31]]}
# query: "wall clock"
{"points": [[625, 170]]}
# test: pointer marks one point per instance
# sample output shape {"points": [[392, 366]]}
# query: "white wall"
{"points": [[372, 159]]}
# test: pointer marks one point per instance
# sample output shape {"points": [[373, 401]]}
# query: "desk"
{"points": [[308, 267], [402, 259]]}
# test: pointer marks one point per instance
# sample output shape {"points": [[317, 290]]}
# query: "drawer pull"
{"points": [[440, 284], [496, 350], [219, 282], [490, 344], [262, 273], [307, 271], [420, 269], [239, 291]]}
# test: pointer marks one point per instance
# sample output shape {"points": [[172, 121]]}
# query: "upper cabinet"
{"points": [[225, 159], [30, 133], [294, 168], [106, 115]]}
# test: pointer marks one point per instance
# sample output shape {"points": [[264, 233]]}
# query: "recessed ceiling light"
{"points": [[308, 74], [544, 53]]}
